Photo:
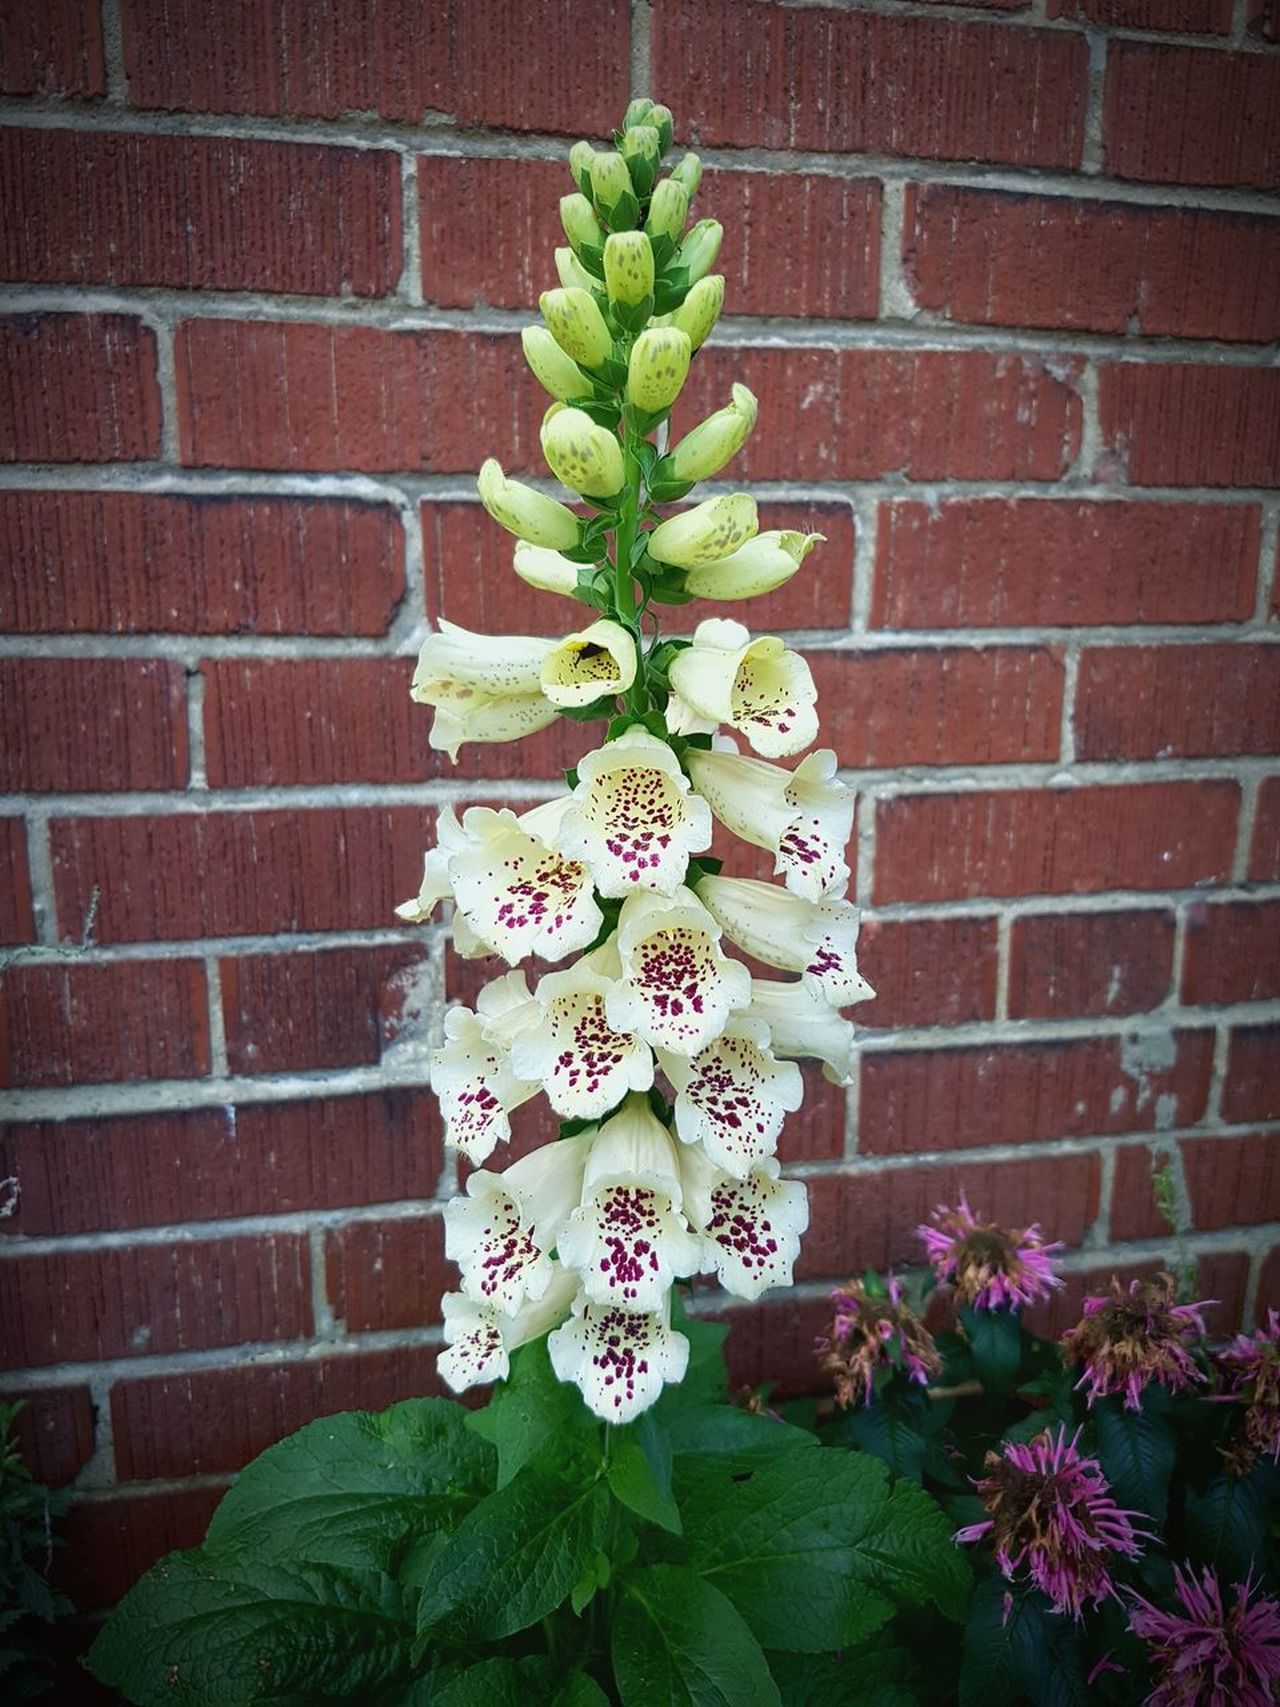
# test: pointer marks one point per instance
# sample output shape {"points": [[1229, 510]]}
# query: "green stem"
{"points": [[624, 593]]}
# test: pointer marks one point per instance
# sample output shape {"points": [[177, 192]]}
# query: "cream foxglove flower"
{"points": [[698, 313], [709, 530], [733, 1097], [546, 570], [618, 1359], [581, 454], [581, 667], [699, 250], [501, 1233], [480, 1338], [688, 173], [482, 687], [553, 370], [677, 989], [804, 1027], [627, 1238], [572, 275], [527, 513], [757, 686], [516, 895], [750, 1227], [628, 267], [472, 1074], [704, 450], [657, 368], [436, 884], [815, 938], [584, 1066], [576, 323], [763, 563], [668, 210], [632, 820], [804, 816]]}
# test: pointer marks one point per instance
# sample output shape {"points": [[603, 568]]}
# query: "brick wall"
{"points": [[1004, 276]]}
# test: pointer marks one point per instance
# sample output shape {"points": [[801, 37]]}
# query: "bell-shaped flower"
{"points": [[573, 276], [628, 267], [472, 1074], [501, 1232], [436, 884], [632, 820], [668, 210], [698, 313], [627, 1237], [581, 667], [763, 563], [583, 1064], [698, 252], [482, 687], [546, 570], [582, 454], [578, 218], [479, 1338], [552, 369], [688, 173], [818, 939], [527, 513], [708, 530], [750, 1227], [677, 989], [618, 1359], [610, 180], [657, 368], [804, 816], [733, 1096], [704, 451], [758, 687], [577, 325], [804, 1026], [517, 896]]}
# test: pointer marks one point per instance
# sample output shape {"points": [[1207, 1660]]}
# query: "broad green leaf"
{"points": [[995, 1344], [874, 1678], [201, 1628], [353, 1489], [677, 1641], [887, 1430], [1137, 1451], [1032, 1654], [640, 1474], [514, 1558], [704, 1380], [1226, 1526], [530, 1409], [725, 1431], [581, 1691], [496, 1683]]}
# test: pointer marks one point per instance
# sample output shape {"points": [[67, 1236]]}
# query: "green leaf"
{"points": [[495, 1683], [529, 1410], [677, 1641], [640, 1475], [725, 1431], [889, 1432], [1034, 1654], [581, 1691], [354, 1489], [995, 1343], [872, 1678], [202, 1627], [1137, 1451], [1226, 1525], [705, 1378]]}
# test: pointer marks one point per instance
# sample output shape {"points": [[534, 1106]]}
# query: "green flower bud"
{"points": [[638, 112], [581, 226], [628, 267], [658, 368], [581, 454], [689, 174], [577, 325], [661, 119], [713, 442], [546, 570], [706, 532], [668, 210], [641, 140], [700, 310], [527, 513], [580, 158], [698, 251], [571, 272], [610, 179], [552, 369]]}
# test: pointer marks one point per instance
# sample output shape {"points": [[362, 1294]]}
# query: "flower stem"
{"points": [[624, 593]]}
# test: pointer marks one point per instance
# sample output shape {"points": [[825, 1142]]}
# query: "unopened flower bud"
{"points": [[546, 570], [713, 442], [689, 174], [661, 119], [577, 325], [581, 226], [762, 564], [582, 454], [628, 267], [641, 140], [704, 533], [659, 365], [698, 251], [571, 272], [580, 158], [610, 179], [698, 313], [637, 112], [668, 210], [552, 369], [527, 513]]}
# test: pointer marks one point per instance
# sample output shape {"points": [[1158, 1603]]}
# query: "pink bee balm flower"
{"points": [[1132, 1337], [1209, 1656], [1053, 1516], [872, 1331], [1252, 1364], [991, 1267]]}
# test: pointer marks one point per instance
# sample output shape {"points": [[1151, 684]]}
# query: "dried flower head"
{"points": [[1052, 1514], [990, 1266], [1208, 1655], [1133, 1336], [871, 1331], [1252, 1365]]}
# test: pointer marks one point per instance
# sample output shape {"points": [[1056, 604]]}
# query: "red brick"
{"points": [[856, 83], [1251, 1086], [513, 64], [955, 1099], [928, 971], [1233, 1181], [214, 1420], [931, 706], [1222, 1277], [54, 1431], [66, 1024], [1182, 702], [52, 47], [1268, 1295], [963, 563], [387, 1274], [239, 873], [770, 1344], [1264, 855], [17, 921], [503, 259], [1233, 952], [180, 563], [198, 213], [1025, 841], [1191, 17], [1263, 21], [77, 388], [816, 1131], [109, 1543], [154, 1170], [339, 1007], [1180, 115], [1089, 963], [95, 724], [1134, 1214], [917, 414], [1000, 259], [150, 1300], [1176, 424]]}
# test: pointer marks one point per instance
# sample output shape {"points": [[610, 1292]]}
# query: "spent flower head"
{"points": [[870, 1331], [1213, 1650], [1134, 1336], [991, 1267], [1251, 1364]]}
